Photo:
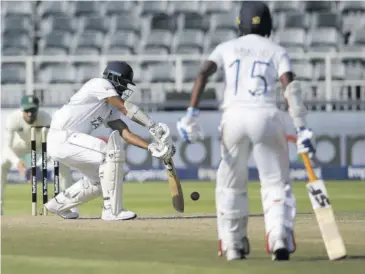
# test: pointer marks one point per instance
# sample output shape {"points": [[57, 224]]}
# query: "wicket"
{"points": [[44, 131]]}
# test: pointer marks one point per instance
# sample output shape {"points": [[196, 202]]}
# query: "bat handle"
{"points": [[308, 166]]}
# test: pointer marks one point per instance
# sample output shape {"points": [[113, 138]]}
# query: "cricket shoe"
{"points": [[124, 215], [53, 206], [281, 252], [237, 253]]}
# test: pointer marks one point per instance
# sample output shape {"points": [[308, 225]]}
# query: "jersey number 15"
{"points": [[254, 74]]}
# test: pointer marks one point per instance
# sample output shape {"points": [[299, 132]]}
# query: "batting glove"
{"points": [[188, 127], [305, 142], [163, 152], [161, 133]]}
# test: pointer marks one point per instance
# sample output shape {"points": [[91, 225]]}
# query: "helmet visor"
{"points": [[121, 86]]}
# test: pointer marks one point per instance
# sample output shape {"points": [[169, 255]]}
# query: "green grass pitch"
{"points": [[156, 244]]}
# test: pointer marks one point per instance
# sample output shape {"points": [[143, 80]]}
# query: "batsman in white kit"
{"points": [[17, 141], [251, 122], [101, 101]]}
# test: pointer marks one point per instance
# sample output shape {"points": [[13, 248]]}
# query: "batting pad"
{"points": [[112, 181]]}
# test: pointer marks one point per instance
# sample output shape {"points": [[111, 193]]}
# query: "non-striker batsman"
{"points": [[251, 122], [101, 101]]}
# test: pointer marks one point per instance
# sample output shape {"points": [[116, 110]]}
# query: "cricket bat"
{"points": [[175, 186], [322, 208]]}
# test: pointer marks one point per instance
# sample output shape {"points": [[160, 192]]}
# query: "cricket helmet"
{"points": [[120, 74], [254, 18]]}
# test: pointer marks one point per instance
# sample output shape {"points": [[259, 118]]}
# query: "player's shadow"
{"points": [[88, 218], [355, 257], [311, 259], [324, 258]]}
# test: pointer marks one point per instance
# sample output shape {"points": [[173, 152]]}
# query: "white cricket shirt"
{"points": [[87, 108], [251, 64]]}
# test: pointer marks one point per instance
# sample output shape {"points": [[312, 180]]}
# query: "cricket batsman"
{"points": [[17, 141], [101, 101], [251, 122]]}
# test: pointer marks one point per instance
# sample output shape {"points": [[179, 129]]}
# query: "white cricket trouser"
{"points": [[262, 131], [86, 154], [21, 149], [80, 151]]}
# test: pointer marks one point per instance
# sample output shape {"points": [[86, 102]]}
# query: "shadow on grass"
{"points": [[355, 257], [325, 258]]}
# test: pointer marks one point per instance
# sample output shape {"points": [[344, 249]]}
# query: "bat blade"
{"points": [[175, 186], [330, 232]]}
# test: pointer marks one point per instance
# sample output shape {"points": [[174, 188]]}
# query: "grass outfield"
{"points": [[152, 244]]}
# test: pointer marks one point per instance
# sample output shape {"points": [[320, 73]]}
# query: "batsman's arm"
{"points": [[292, 92], [127, 135], [132, 111]]}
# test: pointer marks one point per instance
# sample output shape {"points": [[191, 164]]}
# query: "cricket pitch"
{"points": [[162, 241]]}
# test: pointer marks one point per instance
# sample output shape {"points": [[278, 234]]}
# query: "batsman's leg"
{"points": [[65, 177], [84, 153], [271, 156], [80, 192], [231, 196], [111, 179], [66, 180]]}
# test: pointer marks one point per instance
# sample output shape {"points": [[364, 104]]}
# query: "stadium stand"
{"points": [[176, 36]]}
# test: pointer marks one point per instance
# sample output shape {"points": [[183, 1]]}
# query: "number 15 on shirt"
{"points": [[256, 73]]}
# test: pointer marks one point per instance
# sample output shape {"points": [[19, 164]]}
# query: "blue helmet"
{"points": [[254, 18], [120, 74]]}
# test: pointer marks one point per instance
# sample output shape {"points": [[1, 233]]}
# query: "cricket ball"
{"points": [[194, 196]]}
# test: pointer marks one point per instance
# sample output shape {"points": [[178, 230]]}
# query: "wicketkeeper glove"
{"points": [[188, 127], [305, 142]]}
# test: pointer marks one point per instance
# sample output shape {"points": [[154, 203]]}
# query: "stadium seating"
{"points": [[158, 42], [118, 8], [12, 73], [126, 22], [224, 21], [87, 8], [22, 8], [122, 42], [195, 21], [161, 73], [58, 23], [212, 7], [189, 41], [294, 39], [17, 44], [303, 70], [62, 74], [181, 7], [153, 7], [161, 28], [56, 42], [296, 20], [190, 71], [89, 43], [287, 6]]}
